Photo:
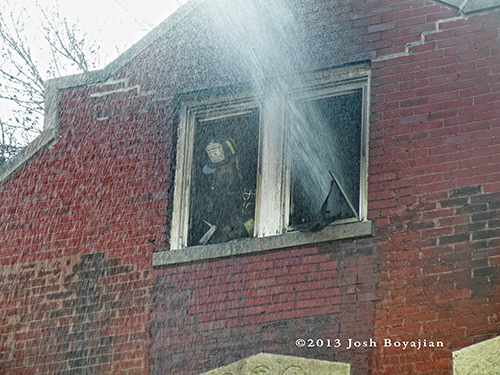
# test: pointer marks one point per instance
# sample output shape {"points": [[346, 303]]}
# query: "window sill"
{"points": [[255, 245]]}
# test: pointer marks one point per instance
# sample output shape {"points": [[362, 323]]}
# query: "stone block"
{"points": [[482, 358], [273, 364]]}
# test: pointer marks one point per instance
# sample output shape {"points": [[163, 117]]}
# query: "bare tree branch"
{"points": [[66, 50]]}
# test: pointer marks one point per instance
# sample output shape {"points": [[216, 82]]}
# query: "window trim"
{"points": [[190, 111], [273, 180]]}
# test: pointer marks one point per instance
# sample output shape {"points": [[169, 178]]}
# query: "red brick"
{"points": [[433, 131]]}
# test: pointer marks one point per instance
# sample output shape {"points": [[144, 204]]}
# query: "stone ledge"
{"points": [[275, 364], [482, 358], [255, 245]]}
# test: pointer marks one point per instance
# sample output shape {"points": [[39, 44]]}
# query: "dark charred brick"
{"points": [[456, 202], [484, 216], [488, 271], [471, 209], [456, 238], [465, 191]]}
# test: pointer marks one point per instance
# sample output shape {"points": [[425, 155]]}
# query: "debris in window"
{"points": [[325, 216]]}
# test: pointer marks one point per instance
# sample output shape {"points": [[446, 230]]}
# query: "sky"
{"points": [[115, 24], [112, 25]]}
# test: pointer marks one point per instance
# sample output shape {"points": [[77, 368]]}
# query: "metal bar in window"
{"points": [[344, 194]]}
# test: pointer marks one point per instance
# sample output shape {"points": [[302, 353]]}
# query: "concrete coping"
{"points": [[255, 245]]}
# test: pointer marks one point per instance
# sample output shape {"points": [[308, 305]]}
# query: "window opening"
{"points": [[224, 174], [281, 161], [325, 140]]}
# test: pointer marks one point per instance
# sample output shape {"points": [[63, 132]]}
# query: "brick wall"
{"points": [[434, 192], [432, 157], [74, 315], [212, 314], [440, 283], [79, 223]]}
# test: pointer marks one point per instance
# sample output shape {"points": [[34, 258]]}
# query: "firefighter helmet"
{"points": [[221, 153]]}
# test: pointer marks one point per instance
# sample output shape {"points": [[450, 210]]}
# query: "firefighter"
{"points": [[230, 204]]}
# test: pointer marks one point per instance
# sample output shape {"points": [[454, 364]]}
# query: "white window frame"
{"points": [[274, 177]]}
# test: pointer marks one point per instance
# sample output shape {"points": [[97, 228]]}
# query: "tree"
{"points": [[27, 60]]}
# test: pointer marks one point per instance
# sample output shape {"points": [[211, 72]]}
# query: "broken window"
{"points": [[326, 144], [285, 160]]}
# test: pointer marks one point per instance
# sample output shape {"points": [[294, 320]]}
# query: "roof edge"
{"points": [[17, 162], [50, 133], [130, 54], [472, 6]]}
